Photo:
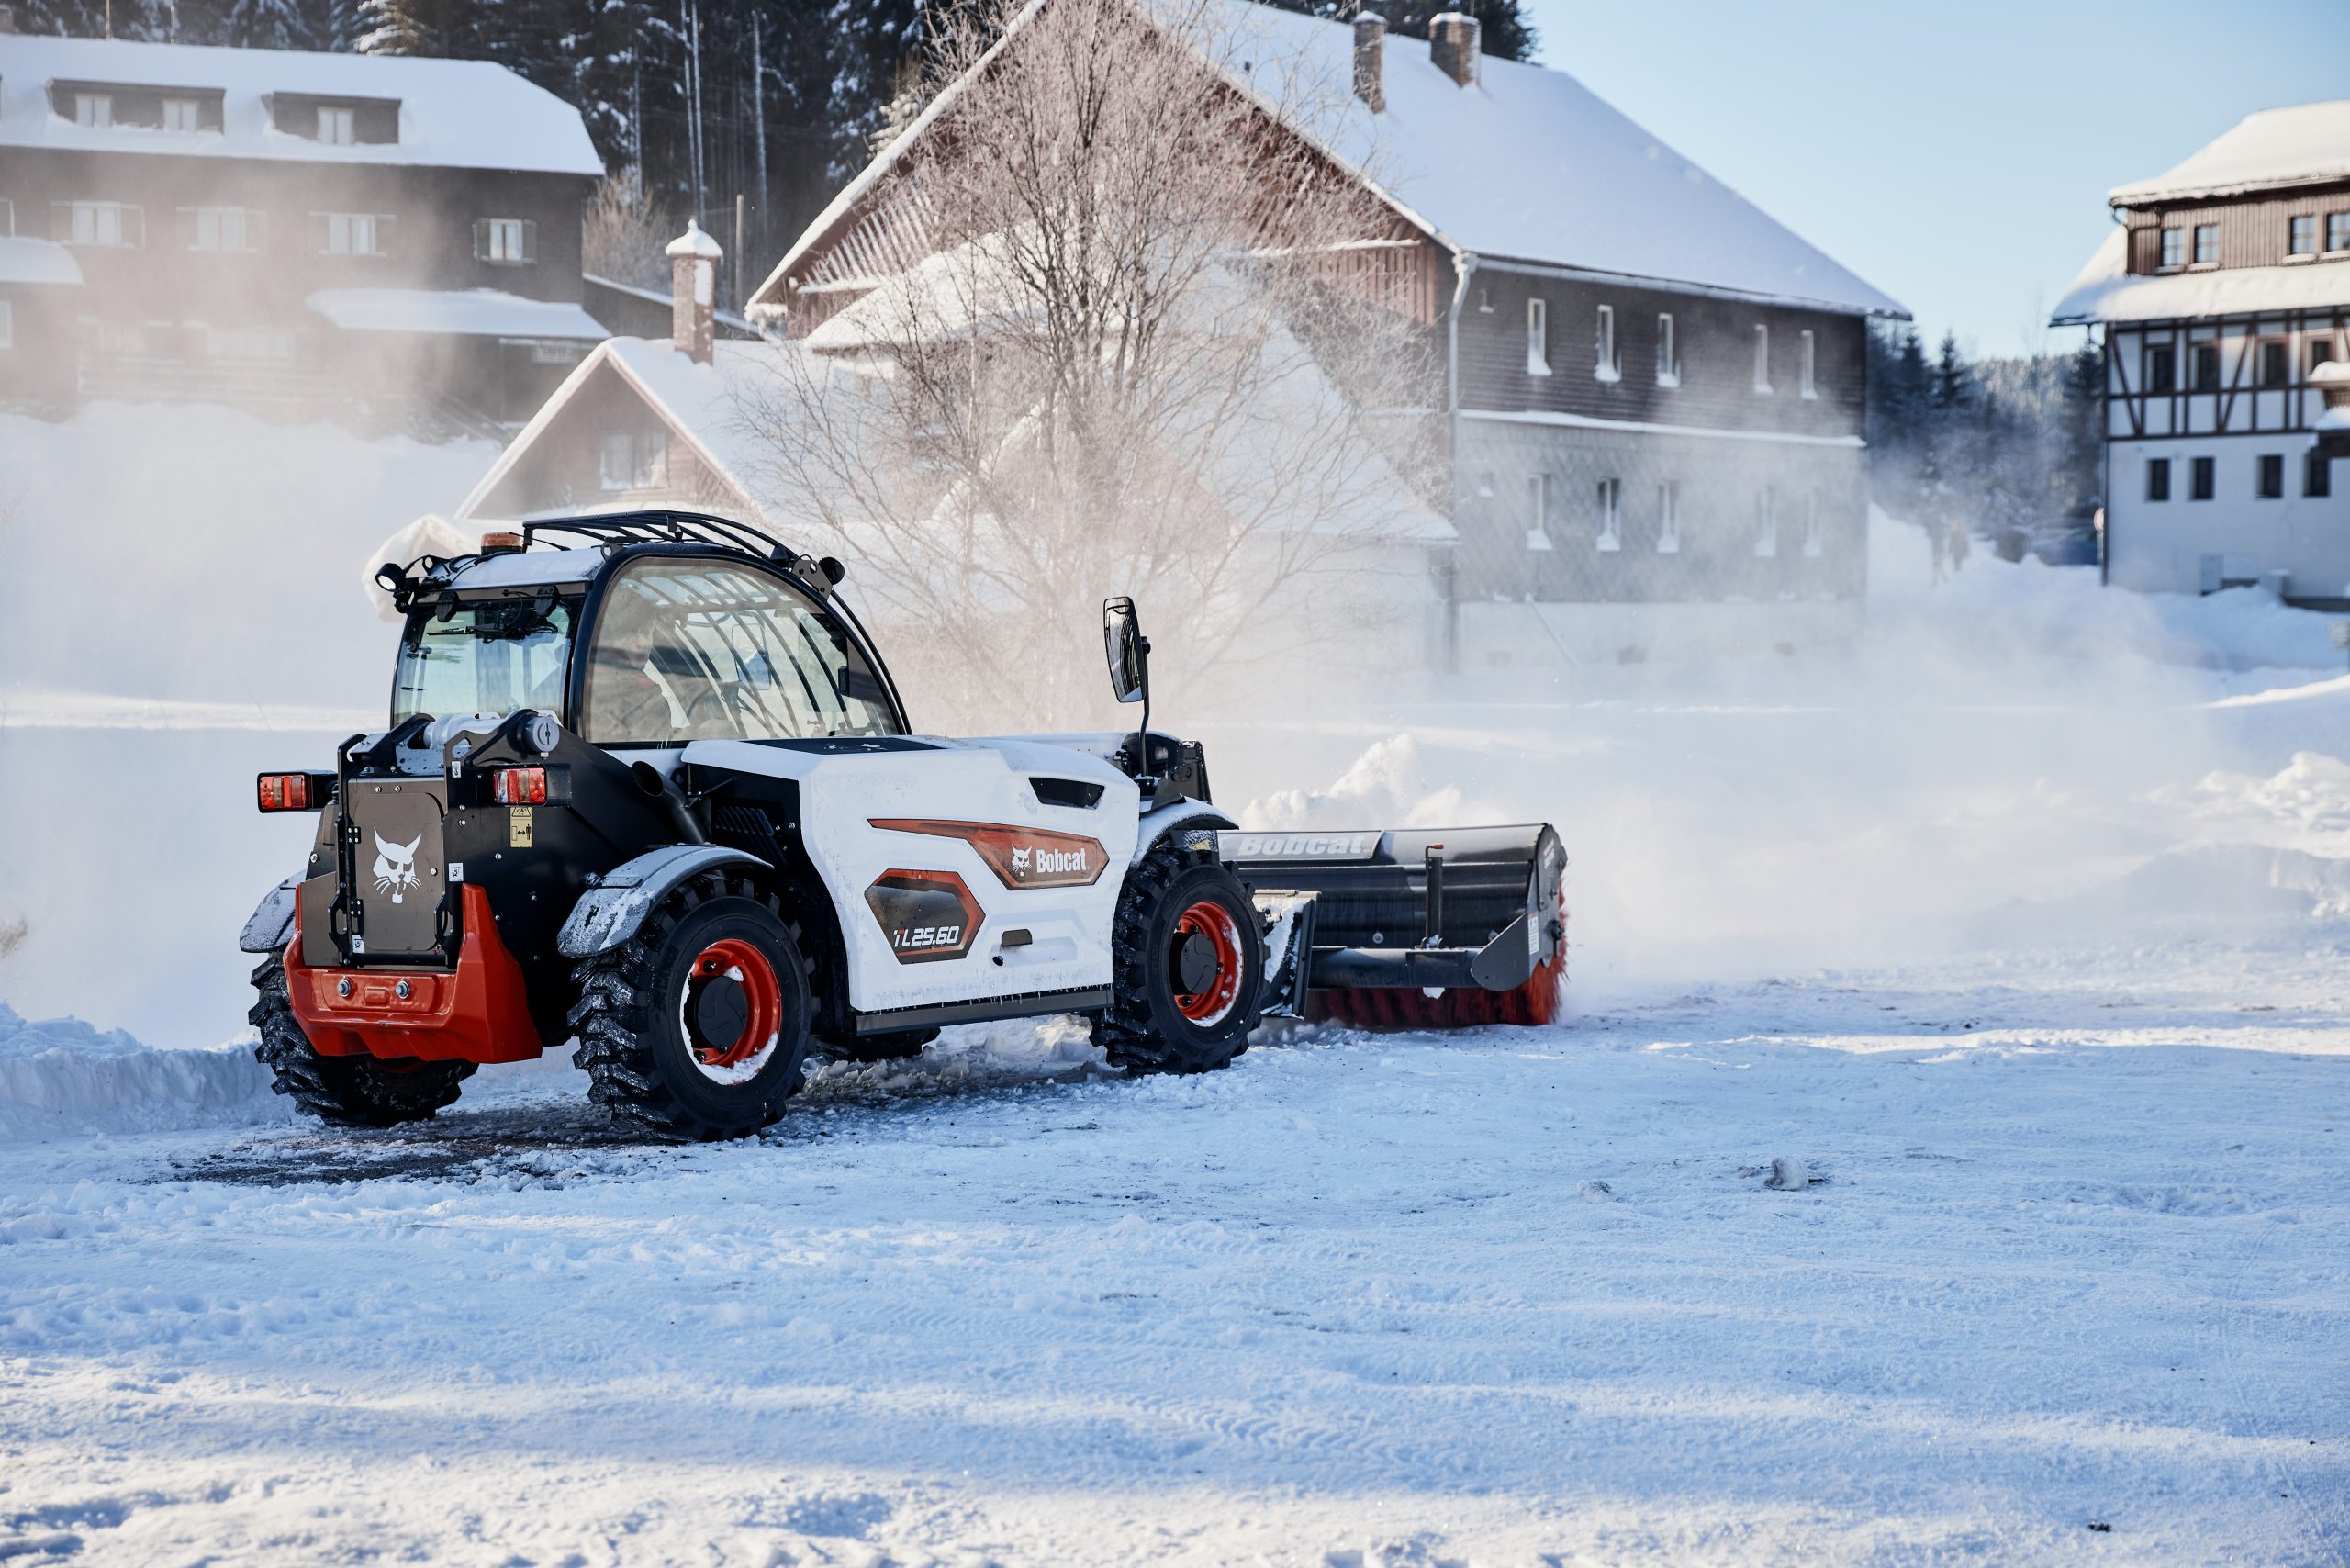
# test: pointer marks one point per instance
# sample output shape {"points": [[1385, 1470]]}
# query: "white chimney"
{"points": [[1452, 45], [693, 293], [1371, 59]]}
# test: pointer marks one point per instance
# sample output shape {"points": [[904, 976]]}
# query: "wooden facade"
{"points": [[2252, 232]]}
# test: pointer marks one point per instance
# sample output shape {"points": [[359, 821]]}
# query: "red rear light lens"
{"points": [[521, 786], [285, 791]]}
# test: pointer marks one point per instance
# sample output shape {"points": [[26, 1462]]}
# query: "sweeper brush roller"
{"points": [[1431, 928]]}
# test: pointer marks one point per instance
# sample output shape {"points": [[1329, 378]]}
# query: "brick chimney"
{"points": [[1371, 59], [1452, 45], [693, 293]]}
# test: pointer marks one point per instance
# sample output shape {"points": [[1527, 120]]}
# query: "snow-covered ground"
{"points": [[2020, 927]]}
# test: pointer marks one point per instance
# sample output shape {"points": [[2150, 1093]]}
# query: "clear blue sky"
{"points": [[1955, 154]]}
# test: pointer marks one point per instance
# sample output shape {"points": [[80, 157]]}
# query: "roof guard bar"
{"points": [[662, 526]]}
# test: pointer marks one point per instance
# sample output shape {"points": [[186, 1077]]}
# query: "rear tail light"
{"points": [[519, 786], [287, 793]]}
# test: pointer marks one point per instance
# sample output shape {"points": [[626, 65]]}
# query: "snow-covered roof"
{"points": [[458, 113], [699, 401], [38, 261], [1528, 165], [2306, 144], [2107, 291], [463, 312]]}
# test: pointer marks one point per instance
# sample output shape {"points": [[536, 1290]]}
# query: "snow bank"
{"points": [[62, 1078]]}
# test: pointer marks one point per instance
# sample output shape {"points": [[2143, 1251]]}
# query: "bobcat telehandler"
{"points": [[647, 786]]}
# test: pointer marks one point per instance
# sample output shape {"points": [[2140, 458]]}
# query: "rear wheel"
{"points": [[1189, 967], [350, 1091], [696, 1026]]}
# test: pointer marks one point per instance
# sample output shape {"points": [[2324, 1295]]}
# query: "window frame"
{"points": [[2317, 475], [2157, 480], [2269, 478], [379, 227], [1610, 541], [2166, 356], [1537, 492], [1668, 517], [1766, 524], [1668, 350], [8, 218], [2200, 356], [2205, 231], [2202, 479], [195, 107], [1808, 375], [93, 110], [2272, 353], [2300, 226], [1763, 359], [2171, 252], [342, 119], [1538, 335], [488, 232], [253, 224], [1609, 363], [1815, 527], [7, 325], [2337, 234], [129, 224]]}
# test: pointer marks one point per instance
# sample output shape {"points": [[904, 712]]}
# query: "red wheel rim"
{"points": [[1215, 998], [731, 957]]}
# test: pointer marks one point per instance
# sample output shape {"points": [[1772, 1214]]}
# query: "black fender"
{"points": [[271, 925], [615, 909], [1196, 821]]}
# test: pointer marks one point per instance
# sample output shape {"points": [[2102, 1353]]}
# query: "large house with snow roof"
{"points": [[2224, 293], [1654, 392], [272, 227]]}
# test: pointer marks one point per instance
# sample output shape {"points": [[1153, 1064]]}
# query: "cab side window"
{"points": [[687, 650]]}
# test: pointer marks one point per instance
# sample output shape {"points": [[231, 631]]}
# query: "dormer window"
{"points": [[2300, 235], [183, 114], [94, 109], [336, 122], [337, 127], [2174, 251]]}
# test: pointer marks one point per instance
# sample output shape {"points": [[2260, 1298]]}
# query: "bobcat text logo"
{"points": [[1283, 845], [1050, 862], [927, 936], [395, 865]]}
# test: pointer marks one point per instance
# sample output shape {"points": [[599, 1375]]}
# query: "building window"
{"points": [[2300, 235], [1766, 523], [2162, 368], [1810, 365], [1668, 519], [222, 229], [2173, 246], [2317, 475], [2207, 244], [2337, 231], [1611, 514], [1537, 524], [2275, 362], [2158, 478], [1538, 338], [7, 218], [8, 324], [336, 127], [350, 233], [1486, 484], [630, 460], [2272, 475], [1610, 367], [2207, 367], [2320, 347], [2204, 482], [507, 241], [1485, 301], [183, 114], [92, 109], [1762, 357], [103, 224], [1668, 353], [1815, 539]]}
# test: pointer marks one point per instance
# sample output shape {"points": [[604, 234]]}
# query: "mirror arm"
{"points": [[1142, 735]]}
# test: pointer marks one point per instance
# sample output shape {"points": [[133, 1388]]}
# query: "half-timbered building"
{"points": [[2224, 295]]}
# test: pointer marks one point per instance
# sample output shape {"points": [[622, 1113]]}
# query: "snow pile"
{"points": [[62, 1078], [1386, 786]]}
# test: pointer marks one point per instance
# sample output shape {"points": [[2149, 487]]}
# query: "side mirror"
{"points": [[1128, 650]]}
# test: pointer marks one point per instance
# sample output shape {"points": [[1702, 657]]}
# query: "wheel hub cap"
{"points": [[733, 1010], [1205, 964]]}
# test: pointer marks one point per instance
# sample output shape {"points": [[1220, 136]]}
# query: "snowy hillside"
{"points": [[2011, 938]]}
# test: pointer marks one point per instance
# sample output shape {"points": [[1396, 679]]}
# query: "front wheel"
{"points": [[696, 1027], [1187, 967]]}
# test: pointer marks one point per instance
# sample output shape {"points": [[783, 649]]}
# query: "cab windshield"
{"points": [[490, 656], [692, 650]]}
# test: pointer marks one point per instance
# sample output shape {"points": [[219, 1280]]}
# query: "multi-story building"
{"points": [[2221, 292], [1654, 393], [268, 226]]}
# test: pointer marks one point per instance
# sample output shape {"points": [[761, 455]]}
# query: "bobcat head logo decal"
{"points": [[395, 865], [1019, 859]]}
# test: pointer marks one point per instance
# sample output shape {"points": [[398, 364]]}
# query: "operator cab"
{"points": [[651, 638]]}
